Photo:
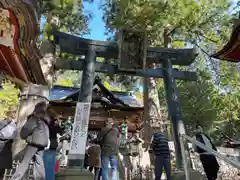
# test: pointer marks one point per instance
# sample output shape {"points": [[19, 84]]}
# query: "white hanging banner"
{"points": [[80, 131]]}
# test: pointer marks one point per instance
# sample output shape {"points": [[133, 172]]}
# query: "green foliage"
{"points": [[64, 82], [66, 16], [195, 22], [205, 25], [68, 78], [198, 103], [8, 97], [111, 88], [203, 103], [189, 19]]}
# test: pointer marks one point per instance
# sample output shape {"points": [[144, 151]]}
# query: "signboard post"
{"points": [[80, 127], [80, 131]]}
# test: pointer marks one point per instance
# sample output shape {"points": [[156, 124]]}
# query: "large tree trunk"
{"points": [[47, 49], [154, 106], [154, 119]]}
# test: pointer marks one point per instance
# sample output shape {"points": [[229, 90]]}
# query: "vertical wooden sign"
{"points": [[80, 131]]}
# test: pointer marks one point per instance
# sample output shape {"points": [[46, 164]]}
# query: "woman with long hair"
{"points": [[36, 134]]}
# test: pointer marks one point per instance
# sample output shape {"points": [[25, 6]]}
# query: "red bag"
{"points": [[56, 166]]}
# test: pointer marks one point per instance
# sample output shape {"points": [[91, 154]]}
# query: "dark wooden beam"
{"points": [[113, 69], [78, 46]]}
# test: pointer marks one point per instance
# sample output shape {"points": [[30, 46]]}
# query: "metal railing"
{"points": [[202, 146], [9, 172]]}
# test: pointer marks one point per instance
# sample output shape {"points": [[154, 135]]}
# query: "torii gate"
{"points": [[167, 57]]}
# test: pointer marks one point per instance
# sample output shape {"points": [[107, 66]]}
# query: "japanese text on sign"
{"points": [[80, 129]]}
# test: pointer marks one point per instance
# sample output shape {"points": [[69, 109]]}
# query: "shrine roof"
{"points": [[19, 56], [231, 51], [61, 92], [115, 99], [127, 98]]}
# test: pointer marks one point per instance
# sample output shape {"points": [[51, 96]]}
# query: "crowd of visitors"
{"points": [[41, 135]]}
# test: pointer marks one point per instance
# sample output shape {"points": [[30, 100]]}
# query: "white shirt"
{"points": [[9, 131]]}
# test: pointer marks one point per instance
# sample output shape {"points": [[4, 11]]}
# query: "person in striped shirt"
{"points": [[159, 144]]}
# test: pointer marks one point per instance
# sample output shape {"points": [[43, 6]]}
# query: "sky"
{"points": [[97, 25]]}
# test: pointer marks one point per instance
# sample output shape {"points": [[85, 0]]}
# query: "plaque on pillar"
{"points": [[132, 49], [79, 131]]}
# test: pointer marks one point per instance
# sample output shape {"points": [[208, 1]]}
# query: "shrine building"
{"points": [[105, 104]]}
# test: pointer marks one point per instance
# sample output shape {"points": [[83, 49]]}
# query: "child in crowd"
{"points": [[94, 158]]}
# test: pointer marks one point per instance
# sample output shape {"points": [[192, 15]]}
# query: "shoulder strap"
{"points": [[213, 146], [105, 135]]}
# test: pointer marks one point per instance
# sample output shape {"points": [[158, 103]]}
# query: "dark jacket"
{"points": [[200, 139], [6, 153], [54, 129], [160, 144], [36, 131], [94, 158], [109, 140]]}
